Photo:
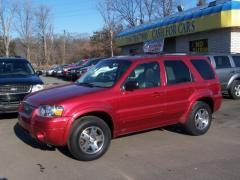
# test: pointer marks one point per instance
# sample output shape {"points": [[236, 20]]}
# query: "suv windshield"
{"points": [[11, 68], [105, 74]]}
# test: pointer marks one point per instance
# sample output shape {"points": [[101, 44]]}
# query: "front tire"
{"points": [[89, 138], [199, 120], [234, 90]]}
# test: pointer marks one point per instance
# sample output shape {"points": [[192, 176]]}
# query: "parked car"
{"points": [[58, 71], [17, 79], [66, 69], [122, 95], [75, 73], [50, 71], [228, 70]]}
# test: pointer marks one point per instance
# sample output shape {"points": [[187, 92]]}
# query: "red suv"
{"points": [[123, 95]]}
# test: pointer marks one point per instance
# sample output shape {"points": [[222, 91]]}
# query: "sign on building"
{"points": [[154, 46], [198, 45]]}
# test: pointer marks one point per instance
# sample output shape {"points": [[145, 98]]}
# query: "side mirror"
{"points": [[131, 85], [39, 73]]}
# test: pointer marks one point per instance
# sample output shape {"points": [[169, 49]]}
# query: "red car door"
{"points": [[179, 88], [142, 108]]}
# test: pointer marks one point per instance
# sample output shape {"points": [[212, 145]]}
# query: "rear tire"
{"points": [[234, 90], [89, 138], [199, 120]]}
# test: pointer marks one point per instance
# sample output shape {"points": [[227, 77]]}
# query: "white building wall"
{"points": [[235, 41]]}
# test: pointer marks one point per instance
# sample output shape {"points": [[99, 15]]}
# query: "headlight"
{"points": [[50, 111], [37, 87]]}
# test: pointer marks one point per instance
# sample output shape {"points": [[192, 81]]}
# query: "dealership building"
{"points": [[214, 28]]}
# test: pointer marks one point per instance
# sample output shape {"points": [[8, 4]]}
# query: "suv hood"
{"points": [[31, 80], [57, 95]]}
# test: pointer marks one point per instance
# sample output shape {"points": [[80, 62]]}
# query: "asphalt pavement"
{"points": [[161, 154]]}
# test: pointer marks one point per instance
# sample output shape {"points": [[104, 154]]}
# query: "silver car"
{"points": [[228, 70]]}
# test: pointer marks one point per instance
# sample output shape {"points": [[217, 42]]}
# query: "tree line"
{"points": [[28, 30]]}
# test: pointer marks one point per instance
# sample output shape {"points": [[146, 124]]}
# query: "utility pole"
{"points": [[64, 47], [111, 42]]}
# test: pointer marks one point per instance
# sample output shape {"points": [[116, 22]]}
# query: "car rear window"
{"points": [[236, 60], [222, 62], [177, 72], [204, 69]]}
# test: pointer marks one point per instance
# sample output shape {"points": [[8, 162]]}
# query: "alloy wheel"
{"points": [[91, 140], [202, 119]]}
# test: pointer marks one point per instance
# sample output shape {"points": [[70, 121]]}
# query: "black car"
{"points": [[75, 73], [17, 79]]}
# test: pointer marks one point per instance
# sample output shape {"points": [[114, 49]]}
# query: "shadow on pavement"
{"points": [[177, 128], [27, 139], [8, 116]]}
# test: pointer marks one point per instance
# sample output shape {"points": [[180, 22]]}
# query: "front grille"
{"points": [[8, 98], [15, 89]]}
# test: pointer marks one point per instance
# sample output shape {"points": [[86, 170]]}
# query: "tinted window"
{"points": [[204, 69], [147, 75], [236, 60], [177, 72], [15, 68], [222, 62]]}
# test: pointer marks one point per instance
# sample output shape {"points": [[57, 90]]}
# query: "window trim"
{"points": [[138, 64], [210, 65], [234, 60], [229, 60], [190, 72]]}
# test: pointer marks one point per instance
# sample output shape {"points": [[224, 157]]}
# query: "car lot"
{"points": [[165, 153]]}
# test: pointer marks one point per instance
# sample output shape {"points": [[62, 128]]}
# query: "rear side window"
{"points": [[222, 62], [177, 72], [236, 60], [204, 69]]}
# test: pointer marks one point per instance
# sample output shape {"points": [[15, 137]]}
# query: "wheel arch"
{"points": [[102, 115], [232, 79], [105, 116], [205, 97], [208, 100]]}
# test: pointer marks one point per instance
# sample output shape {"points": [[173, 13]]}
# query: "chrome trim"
{"points": [[30, 90]]}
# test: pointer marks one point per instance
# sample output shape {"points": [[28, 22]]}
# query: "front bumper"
{"points": [[46, 130], [9, 103], [9, 107]]}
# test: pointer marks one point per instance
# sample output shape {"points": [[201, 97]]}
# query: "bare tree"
{"points": [[44, 28], [166, 7], [135, 12], [25, 26], [140, 6], [109, 17], [127, 10], [149, 7], [7, 12]]}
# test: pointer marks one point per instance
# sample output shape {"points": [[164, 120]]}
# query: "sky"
{"points": [[80, 16]]}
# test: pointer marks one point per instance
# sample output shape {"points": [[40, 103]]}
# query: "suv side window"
{"points": [[147, 75], [236, 60], [204, 69], [177, 72], [222, 62]]}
